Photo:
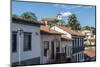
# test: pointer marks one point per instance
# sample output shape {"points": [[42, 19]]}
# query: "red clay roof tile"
{"points": [[48, 30], [70, 31]]}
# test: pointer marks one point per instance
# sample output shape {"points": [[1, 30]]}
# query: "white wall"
{"points": [[62, 31], [68, 45], [35, 52], [48, 38]]}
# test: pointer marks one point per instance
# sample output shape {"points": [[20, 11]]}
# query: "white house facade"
{"points": [[66, 43], [50, 42], [77, 43], [89, 40], [66, 47], [51, 47], [25, 42]]}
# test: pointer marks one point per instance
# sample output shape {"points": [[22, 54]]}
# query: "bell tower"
{"points": [[59, 16]]}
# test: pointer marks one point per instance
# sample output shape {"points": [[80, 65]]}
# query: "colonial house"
{"points": [[66, 47], [89, 37], [90, 45], [77, 42], [50, 43], [89, 40], [66, 41], [25, 41]]}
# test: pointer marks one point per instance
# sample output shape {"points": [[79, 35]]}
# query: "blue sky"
{"points": [[85, 14]]}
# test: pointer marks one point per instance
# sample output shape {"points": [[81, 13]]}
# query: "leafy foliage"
{"points": [[52, 23], [29, 16], [73, 23]]}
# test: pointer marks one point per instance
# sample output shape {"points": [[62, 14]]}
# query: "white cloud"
{"points": [[73, 7], [65, 7], [66, 13]]}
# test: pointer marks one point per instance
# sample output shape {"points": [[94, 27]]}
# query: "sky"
{"points": [[85, 13]]}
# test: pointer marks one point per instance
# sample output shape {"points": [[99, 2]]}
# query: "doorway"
{"points": [[52, 50]]}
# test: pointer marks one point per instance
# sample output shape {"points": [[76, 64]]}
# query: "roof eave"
{"points": [[24, 21]]}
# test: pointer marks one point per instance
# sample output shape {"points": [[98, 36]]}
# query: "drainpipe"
{"points": [[20, 31]]}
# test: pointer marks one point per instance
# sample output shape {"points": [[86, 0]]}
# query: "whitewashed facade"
{"points": [[51, 42], [77, 44], [66, 45], [20, 51]]}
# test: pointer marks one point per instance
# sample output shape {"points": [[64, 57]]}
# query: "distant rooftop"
{"points": [[49, 19], [91, 52]]}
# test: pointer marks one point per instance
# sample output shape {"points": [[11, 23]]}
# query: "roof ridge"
{"points": [[70, 30], [47, 29]]}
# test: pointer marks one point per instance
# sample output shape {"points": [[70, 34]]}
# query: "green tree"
{"points": [[52, 23], [87, 28], [62, 22], [56, 22], [73, 23], [29, 16]]}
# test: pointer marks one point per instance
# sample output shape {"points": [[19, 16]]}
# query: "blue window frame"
{"points": [[27, 41], [14, 41]]}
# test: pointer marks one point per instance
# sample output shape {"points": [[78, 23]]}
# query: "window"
{"points": [[27, 41], [73, 45], [78, 57], [78, 44], [14, 41], [65, 50], [75, 57], [82, 44], [46, 47], [68, 51], [81, 56], [58, 46], [52, 49]]}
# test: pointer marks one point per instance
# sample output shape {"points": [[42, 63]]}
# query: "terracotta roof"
{"points": [[91, 52], [72, 32], [49, 19], [65, 37], [48, 30], [25, 21]]}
